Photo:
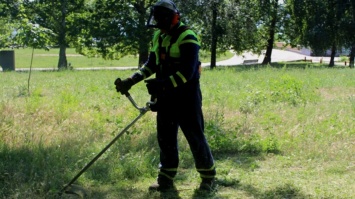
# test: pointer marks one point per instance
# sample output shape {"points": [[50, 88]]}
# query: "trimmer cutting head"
{"points": [[74, 191]]}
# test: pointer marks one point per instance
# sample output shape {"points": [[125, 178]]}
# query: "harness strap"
{"points": [[175, 36], [173, 39]]}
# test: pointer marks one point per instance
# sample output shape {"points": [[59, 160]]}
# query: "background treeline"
{"points": [[115, 28]]}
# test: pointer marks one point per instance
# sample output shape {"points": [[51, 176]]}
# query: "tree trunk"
{"points": [[143, 48], [214, 38], [270, 45], [62, 62], [143, 54], [334, 50], [352, 56], [352, 52], [270, 41]]}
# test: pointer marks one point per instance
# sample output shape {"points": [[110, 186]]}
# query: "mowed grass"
{"points": [[49, 59], [283, 131]]}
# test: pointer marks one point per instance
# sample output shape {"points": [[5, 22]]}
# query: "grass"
{"points": [[49, 59], [283, 131]]}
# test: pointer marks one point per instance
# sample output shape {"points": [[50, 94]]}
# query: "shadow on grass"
{"points": [[31, 172], [127, 191], [37, 171], [249, 162], [286, 191], [40, 172]]}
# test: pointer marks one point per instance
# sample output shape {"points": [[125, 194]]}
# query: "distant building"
{"points": [[298, 49], [308, 52]]}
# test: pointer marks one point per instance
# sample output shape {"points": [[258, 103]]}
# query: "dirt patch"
{"points": [[336, 93]]}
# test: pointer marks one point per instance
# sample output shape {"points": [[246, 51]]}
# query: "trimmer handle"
{"points": [[141, 109], [126, 94]]}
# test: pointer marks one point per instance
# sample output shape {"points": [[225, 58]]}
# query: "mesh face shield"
{"points": [[151, 23], [161, 15]]}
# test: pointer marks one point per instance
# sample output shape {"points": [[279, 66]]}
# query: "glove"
{"points": [[154, 86], [153, 107], [123, 86]]}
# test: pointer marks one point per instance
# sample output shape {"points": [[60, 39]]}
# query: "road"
{"points": [[276, 56]]}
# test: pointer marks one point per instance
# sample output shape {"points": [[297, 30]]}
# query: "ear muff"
{"points": [[176, 18]]}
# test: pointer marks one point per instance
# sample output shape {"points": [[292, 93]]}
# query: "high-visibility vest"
{"points": [[166, 49]]}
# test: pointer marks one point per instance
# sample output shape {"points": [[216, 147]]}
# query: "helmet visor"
{"points": [[151, 23], [160, 17]]}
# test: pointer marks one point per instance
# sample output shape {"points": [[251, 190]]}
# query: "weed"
{"points": [[287, 89]]}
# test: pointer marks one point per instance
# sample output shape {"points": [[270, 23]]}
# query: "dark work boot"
{"points": [[207, 184], [163, 184]]}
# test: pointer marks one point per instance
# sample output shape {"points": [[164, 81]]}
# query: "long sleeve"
{"points": [[189, 63], [148, 69]]}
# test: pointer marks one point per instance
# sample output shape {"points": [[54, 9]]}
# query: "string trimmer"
{"points": [[74, 189]]}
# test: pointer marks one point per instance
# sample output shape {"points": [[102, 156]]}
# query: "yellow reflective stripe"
{"points": [[141, 73], [148, 70], [206, 176], [190, 41], [173, 81], [171, 169], [210, 169], [166, 175], [184, 34], [155, 47], [182, 77]]}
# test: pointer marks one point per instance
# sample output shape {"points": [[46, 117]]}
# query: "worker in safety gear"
{"points": [[176, 88]]}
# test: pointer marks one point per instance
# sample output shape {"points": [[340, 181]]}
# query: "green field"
{"points": [[286, 131], [49, 59]]}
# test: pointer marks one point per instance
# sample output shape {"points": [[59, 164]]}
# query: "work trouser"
{"points": [[183, 108]]}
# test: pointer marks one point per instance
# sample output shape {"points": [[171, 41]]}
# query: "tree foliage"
{"points": [[207, 18], [348, 27], [244, 32], [115, 28], [54, 15], [322, 25], [8, 12]]}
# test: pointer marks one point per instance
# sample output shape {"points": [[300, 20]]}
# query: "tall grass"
{"points": [[275, 133]]}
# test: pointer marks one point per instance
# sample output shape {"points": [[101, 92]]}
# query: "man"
{"points": [[176, 89]]}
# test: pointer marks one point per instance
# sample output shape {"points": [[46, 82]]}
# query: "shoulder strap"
{"points": [[177, 33], [175, 36]]}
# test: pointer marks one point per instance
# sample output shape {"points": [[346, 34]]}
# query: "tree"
{"points": [[243, 31], [34, 36], [9, 8], [5, 33], [54, 16], [270, 16], [117, 28], [348, 28], [238, 25], [352, 52], [207, 18], [319, 25], [8, 13]]}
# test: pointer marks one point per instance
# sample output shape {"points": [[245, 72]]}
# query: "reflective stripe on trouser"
{"points": [[207, 173], [168, 173], [184, 111]]}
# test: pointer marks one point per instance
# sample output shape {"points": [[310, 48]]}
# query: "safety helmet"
{"points": [[163, 15]]}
